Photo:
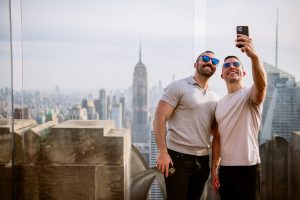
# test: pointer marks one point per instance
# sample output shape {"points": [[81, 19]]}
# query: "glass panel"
{"points": [[97, 60], [91, 60], [6, 123], [5, 74]]}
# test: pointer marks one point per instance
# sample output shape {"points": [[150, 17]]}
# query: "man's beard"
{"points": [[201, 72]]}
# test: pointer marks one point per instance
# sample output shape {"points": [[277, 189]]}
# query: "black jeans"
{"points": [[240, 182], [188, 181]]}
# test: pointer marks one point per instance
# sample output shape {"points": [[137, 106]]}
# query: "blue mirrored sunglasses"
{"points": [[235, 64], [214, 61]]}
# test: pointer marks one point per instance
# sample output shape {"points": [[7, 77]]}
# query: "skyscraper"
{"points": [[122, 102], [281, 109], [84, 103], [140, 128], [116, 113], [103, 105]]}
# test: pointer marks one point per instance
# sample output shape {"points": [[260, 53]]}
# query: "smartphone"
{"points": [[242, 30]]}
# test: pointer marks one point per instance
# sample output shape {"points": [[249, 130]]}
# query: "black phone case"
{"points": [[242, 30]]}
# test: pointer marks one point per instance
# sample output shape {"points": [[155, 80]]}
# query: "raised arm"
{"points": [[163, 113], [258, 90]]}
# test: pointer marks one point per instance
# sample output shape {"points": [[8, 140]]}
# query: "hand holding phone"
{"points": [[242, 30]]}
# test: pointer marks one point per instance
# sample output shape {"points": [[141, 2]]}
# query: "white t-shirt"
{"points": [[190, 123], [238, 124]]}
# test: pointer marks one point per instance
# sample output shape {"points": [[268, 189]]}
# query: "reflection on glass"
{"points": [[77, 62]]}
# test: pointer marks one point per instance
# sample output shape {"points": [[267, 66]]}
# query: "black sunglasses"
{"points": [[235, 64], [204, 58]]}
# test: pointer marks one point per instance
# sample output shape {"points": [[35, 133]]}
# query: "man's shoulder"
{"points": [[239, 95], [180, 82]]}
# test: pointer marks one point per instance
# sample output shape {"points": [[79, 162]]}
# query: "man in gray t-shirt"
{"points": [[235, 167], [188, 106]]}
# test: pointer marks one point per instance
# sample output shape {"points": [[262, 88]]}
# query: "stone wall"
{"points": [[294, 165], [72, 160], [280, 168]]}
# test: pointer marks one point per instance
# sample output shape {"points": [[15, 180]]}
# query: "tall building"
{"points": [[103, 105], [84, 103], [281, 109], [97, 107], [140, 128], [116, 113], [122, 102]]}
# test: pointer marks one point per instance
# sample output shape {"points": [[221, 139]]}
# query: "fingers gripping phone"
{"points": [[242, 30]]}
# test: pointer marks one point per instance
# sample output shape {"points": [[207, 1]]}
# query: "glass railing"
{"points": [[63, 62]]}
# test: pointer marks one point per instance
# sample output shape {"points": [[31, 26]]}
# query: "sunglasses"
{"points": [[235, 64], [214, 61]]}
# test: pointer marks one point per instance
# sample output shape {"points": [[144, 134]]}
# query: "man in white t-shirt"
{"points": [[182, 126], [238, 115]]}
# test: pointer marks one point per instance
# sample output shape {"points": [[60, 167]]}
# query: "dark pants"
{"points": [[239, 182], [188, 181]]}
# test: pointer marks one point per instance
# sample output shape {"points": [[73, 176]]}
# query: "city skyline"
{"points": [[79, 49]]}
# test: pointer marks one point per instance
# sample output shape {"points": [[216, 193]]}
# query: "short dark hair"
{"points": [[203, 53], [231, 56]]}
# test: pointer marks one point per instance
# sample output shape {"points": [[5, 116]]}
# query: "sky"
{"points": [[94, 44]]}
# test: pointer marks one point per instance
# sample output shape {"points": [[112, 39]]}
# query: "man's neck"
{"points": [[202, 81], [234, 86]]}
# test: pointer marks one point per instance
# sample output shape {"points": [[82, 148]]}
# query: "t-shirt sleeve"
{"points": [[250, 101], [172, 94]]}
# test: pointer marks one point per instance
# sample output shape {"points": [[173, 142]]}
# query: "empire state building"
{"points": [[139, 126]]}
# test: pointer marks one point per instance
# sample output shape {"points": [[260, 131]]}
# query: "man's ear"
{"points": [[221, 75], [244, 73], [195, 65]]}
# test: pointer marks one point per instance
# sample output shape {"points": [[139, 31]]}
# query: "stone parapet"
{"points": [[294, 163], [71, 160]]}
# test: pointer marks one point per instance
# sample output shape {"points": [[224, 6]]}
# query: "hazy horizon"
{"points": [[95, 44]]}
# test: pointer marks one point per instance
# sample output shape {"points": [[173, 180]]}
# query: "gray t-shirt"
{"points": [[238, 123], [190, 124]]}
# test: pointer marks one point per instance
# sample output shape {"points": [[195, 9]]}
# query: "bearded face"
{"points": [[205, 67]]}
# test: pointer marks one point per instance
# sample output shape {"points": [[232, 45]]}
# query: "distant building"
{"points": [[122, 102], [91, 111], [97, 106], [281, 109], [108, 108], [139, 126], [116, 113], [40, 117], [51, 116], [21, 113], [77, 113], [84, 103], [102, 105]]}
